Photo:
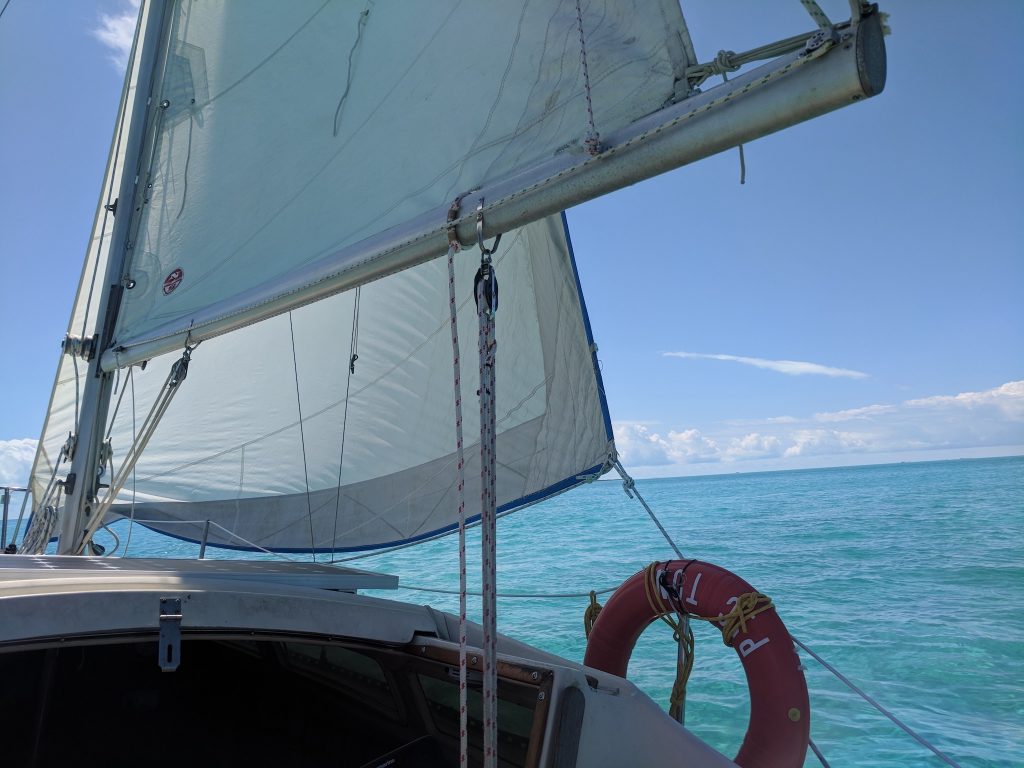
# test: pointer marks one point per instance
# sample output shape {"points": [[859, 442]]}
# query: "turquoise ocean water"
{"points": [[907, 577]]}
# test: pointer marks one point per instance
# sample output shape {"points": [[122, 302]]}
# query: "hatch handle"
{"points": [[169, 652]]}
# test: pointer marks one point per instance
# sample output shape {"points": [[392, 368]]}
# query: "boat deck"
{"points": [[287, 573]]}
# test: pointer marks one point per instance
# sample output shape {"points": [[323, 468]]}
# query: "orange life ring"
{"points": [[780, 711]]}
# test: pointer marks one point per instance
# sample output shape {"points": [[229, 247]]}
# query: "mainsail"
{"points": [[286, 174], [288, 133]]}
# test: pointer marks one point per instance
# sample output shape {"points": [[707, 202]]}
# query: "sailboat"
{"points": [[290, 292]]}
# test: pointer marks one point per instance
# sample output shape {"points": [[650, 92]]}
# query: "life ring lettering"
{"points": [[779, 729]]}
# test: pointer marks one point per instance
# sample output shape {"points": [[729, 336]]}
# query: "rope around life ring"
{"points": [[780, 715]]}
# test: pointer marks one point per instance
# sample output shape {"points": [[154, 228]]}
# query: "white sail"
{"points": [[291, 151], [284, 133], [372, 460]]}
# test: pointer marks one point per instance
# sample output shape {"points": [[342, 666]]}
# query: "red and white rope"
{"points": [[461, 486]]}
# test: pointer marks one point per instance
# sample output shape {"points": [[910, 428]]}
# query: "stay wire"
{"points": [[352, 357], [916, 736], [302, 438], [629, 486], [131, 515]]}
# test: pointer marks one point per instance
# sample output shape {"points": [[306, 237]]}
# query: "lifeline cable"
{"points": [[920, 739]]}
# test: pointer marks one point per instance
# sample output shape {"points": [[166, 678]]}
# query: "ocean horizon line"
{"points": [[1014, 452]]}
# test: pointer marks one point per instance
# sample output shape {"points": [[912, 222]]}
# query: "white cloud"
{"points": [[827, 442], [789, 367], [117, 32], [969, 423], [640, 447], [16, 461], [865, 412], [1008, 399], [754, 446]]}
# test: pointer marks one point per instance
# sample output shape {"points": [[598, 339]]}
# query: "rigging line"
{"points": [[460, 475], [302, 438], [514, 595], [155, 525], [252, 544], [920, 739], [816, 14], [363, 18], [131, 515], [175, 377], [117, 541], [593, 140], [817, 753], [486, 292], [4, 8], [352, 357], [743, 159], [21, 512], [42, 499], [354, 351], [117, 408], [686, 659], [74, 362], [629, 486]]}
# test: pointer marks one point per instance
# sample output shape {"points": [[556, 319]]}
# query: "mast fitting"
{"points": [[80, 346]]}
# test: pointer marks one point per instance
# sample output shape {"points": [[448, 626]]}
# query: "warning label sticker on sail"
{"points": [[173, 280]]}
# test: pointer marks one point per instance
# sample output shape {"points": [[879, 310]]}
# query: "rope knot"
{"points": [[724, 62], [747, 607], [628, 485], [591, 613]]}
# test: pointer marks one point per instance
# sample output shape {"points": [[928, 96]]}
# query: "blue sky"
{"points": [[857, 300]]}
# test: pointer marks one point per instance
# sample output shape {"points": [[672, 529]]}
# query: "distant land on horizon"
{"points": [[1012, 452]]}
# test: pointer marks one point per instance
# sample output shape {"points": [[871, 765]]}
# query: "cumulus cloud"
{"points": [[789, 367], [828, 442], [754, 446], [965, 422], [1008, 399], [16, 461], [117, 32], [640, 447]]}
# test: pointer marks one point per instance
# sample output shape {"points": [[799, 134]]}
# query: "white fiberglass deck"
{"points": [[13, 567]]}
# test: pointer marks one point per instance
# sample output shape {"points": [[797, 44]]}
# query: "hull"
{"points": [[236, 663]]}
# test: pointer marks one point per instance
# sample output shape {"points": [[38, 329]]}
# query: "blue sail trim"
{"points": [[606, 415]]}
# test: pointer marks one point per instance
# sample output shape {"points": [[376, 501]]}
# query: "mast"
{"points": [[82, 484]]}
